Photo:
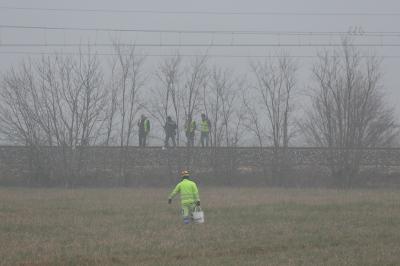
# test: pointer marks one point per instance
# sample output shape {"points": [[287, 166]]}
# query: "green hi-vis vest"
{"points": [[204, 126], [192, 127], [188, 191], [147, 126]]}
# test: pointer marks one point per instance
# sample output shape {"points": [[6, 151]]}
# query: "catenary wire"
{"points": [[208, 12], [228, 32], [63, 53], [210, 45]]}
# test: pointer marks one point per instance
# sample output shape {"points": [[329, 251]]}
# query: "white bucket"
{"points": [[198, 215]]}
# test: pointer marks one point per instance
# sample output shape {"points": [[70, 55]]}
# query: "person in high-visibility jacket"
{"points": [[190, 128], [189, 196], [205, 126]]}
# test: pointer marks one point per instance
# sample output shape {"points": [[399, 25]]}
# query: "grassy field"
{"points": [[249, 226]]}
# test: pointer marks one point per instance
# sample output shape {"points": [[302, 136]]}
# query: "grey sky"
{"points": [[203, 22]]}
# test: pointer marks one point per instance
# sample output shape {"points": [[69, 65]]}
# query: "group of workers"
{"points": [[190, 130], [171, 128], [187, 188]]}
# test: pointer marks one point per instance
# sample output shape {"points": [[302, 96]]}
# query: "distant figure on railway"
{"points": [[205, 126], [170, 128], [189, 196], [190, 128], [144, 130]]}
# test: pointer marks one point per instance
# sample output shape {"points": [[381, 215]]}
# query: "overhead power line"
{"points": [[197, 44], [227, 32], [152, 55], [187, 55], [191, 12]]}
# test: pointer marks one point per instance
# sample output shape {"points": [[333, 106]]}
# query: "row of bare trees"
{"points": [[77, 101], [348, 111]]}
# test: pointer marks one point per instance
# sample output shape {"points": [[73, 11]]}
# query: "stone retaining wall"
{"points": [[155, 166]]}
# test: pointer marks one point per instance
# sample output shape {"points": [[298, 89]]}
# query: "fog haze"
{"points": [[190, 21]]}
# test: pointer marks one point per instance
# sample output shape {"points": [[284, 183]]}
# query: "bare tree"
{"points": [[72, 98], [166, 95], [276, 82], [19, 100], [129, 78], [252, 120], [57, 101], [92, 99], [222, 106], [275, 87], [348, 111], [18, 116], [112, 106], [195, 78]]}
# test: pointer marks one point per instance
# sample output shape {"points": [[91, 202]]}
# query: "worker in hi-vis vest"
{"points": [[189, 196], [190, 128], [205, 126]]}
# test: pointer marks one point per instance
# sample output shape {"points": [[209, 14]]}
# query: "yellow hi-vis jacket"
{"points": [[190, 127], [188, 191], [204, 126]]}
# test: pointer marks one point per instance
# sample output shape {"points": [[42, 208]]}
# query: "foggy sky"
{"points": [[203, 22]]}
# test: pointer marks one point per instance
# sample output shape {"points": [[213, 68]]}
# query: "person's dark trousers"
{"points": [[142, 139], [172, 137], [204, 139], [190, 139]]}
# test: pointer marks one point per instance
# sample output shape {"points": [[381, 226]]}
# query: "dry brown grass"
{"points": [[249, 226]]}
